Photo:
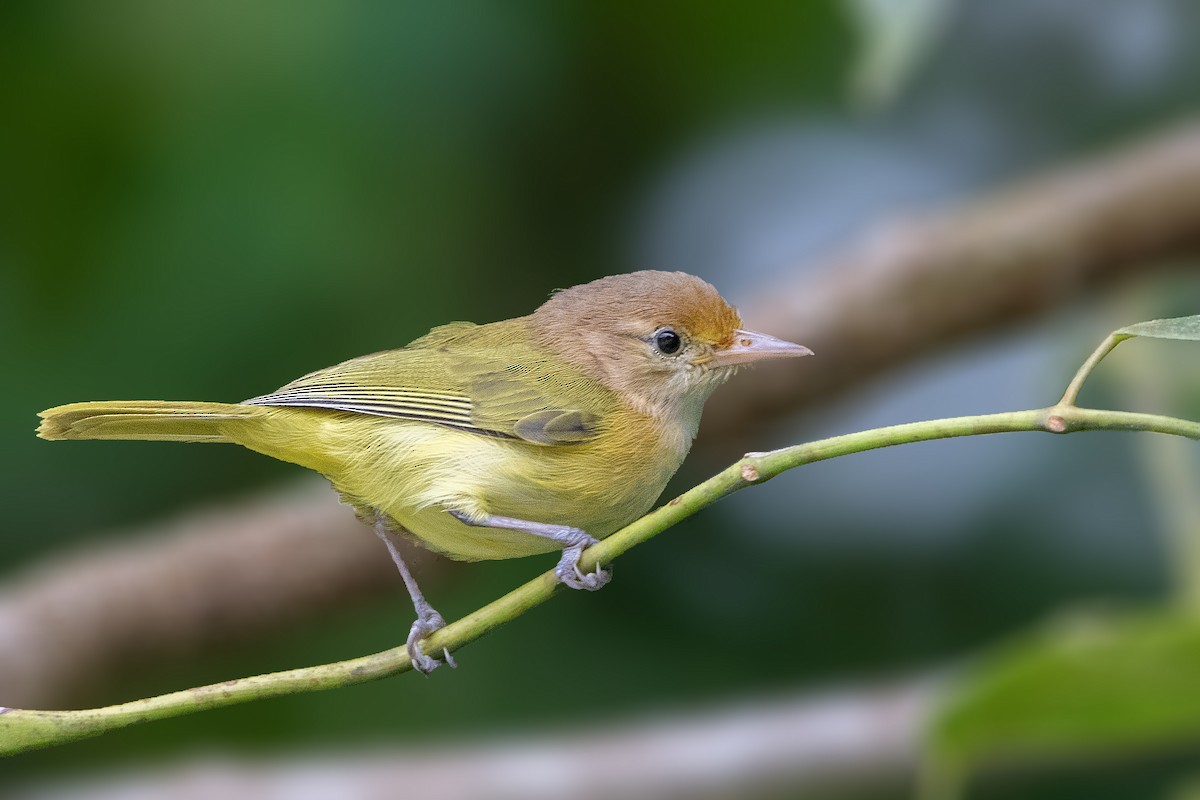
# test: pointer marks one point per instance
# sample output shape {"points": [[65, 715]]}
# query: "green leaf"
{"points": [[895, 35], [1085, 688], [1176, 328]]}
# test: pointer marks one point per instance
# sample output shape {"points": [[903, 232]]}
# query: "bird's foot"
{"points": [[571, 575], [427, 622], [573, 540]]}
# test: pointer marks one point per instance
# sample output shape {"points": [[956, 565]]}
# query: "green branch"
{"points": [[22, 730]]}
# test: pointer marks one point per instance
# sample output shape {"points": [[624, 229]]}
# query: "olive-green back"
{"points": [[490, 379]]}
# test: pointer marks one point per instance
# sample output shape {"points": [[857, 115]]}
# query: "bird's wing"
{"points": [[440, 380]]}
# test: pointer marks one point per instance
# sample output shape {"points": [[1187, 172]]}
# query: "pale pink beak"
{"points": [[749, 346]]}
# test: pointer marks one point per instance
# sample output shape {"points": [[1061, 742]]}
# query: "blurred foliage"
{"points": [[896, 35], [1090, 686], [204, 200]]}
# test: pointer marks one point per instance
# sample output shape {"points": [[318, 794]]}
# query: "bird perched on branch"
{"points": [[490, 441]]}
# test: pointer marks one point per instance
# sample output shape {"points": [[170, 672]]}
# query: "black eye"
{"points": [[667, 341]]}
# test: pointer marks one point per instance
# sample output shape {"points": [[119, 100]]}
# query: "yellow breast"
{"points": [[415, 472]]}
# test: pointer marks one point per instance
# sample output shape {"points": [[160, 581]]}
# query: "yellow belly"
{"points": [[416, 472]]}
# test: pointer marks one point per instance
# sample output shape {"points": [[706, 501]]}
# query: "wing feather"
{"points": [[437, 380]]}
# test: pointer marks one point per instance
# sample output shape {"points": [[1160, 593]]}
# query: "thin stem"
{"points": [[22, 730], [1072, 393]]}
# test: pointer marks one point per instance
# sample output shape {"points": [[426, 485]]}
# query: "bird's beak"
{"points": [[749, 346]]}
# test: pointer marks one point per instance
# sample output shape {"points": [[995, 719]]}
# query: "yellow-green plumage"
{"points": [[564, 417]]}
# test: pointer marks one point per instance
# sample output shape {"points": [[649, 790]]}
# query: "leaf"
{"points": [[1081, 689], [1175, 328], [895, 35]]}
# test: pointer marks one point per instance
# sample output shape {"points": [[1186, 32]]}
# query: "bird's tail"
{"points": [[153, 420]]}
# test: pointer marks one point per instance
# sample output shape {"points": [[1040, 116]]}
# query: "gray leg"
{"points": [[428, 620], [573, 541]]}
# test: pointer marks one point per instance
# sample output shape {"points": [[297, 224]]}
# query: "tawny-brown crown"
{"points": [[641, 302]]}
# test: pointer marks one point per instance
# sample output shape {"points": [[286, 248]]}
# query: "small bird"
{"points": [[490, 441]]}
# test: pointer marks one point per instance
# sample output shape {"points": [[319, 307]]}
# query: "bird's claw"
{"points": [[569, 573], [423, 626]]}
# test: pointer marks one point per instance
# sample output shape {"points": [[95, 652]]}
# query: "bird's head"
{"points": [[663, 340]]}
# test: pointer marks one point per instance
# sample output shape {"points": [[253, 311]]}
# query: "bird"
{"points": [[489, 441]]}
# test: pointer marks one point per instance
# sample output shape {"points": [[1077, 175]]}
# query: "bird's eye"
{"points": [[667, 341]]}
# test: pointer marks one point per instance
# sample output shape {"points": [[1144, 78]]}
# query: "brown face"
{"points": [[653, 333]]}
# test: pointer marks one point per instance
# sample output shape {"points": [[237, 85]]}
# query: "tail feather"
{"points": [[152, 420]]}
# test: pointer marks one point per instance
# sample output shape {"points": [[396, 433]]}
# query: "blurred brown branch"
{"points": [[841, 745], [226, 574], [209, 577]]}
